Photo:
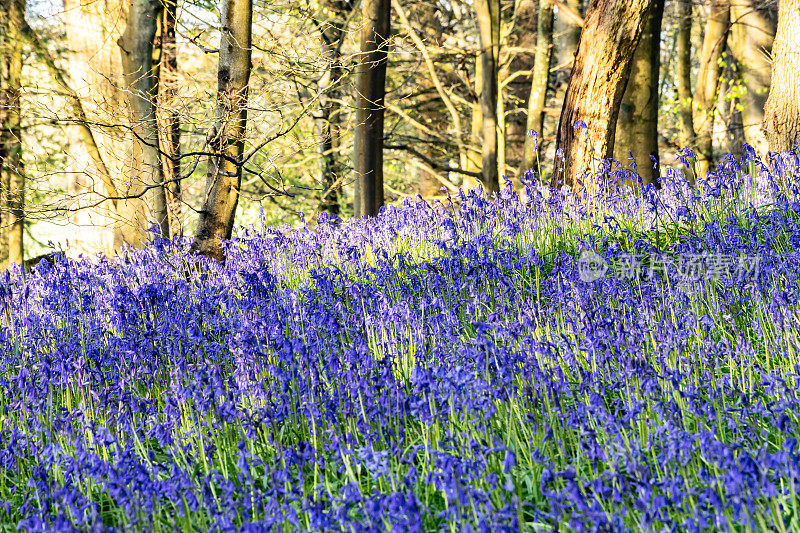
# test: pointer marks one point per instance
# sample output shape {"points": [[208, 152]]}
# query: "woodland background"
{"points": [[116, 114]]}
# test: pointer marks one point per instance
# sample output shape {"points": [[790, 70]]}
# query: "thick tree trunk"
{"points": [[597, 83], [488, 15], [705, 94], [531, 151], [168, 116], [224, 176], [136, 46], [370, 93], [782, 112], [684, 72], [637, 124], [750, 41], [12, 176]]}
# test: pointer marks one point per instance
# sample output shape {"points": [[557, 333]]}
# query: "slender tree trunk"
{"points": [[597, 83], [224, 176], [371, 90], [531, 151], [705, 94], [136, 45], [169, 119], [782, 113], [488, 15], [750, 41], [637, 124], [13, 176]]}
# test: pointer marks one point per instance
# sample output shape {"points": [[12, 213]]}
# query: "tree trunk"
{"points": [[531, 151], [226, 139], [370, 93], [12, 175], [136, 46], [637, 124], [168, 116], [782, 112], [750, 41], [705, 94], [596, 86], [488, 15]]}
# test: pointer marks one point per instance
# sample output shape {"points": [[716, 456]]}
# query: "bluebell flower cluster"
{"points": [[437, 368]]}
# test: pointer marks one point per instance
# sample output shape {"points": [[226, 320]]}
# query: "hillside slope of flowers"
{"points": [[438, 368]]}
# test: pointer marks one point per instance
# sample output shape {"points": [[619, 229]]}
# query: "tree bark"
{"points": [[488, 15], [168, 116], [226, 139], [596, 86], [752, 33], [136, 45], [705, 94], [370, 93], [637, 124], [11, 171], [782, 112], [531, 150]]}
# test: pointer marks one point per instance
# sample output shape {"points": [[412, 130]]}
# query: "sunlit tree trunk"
{"points": [[531, 151], [370, 93], [488, 15], [226, 140], [782, 113], [12, 176], [596, 86], [637, 124], [136, 46], [707, 87], [750, 41]]}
